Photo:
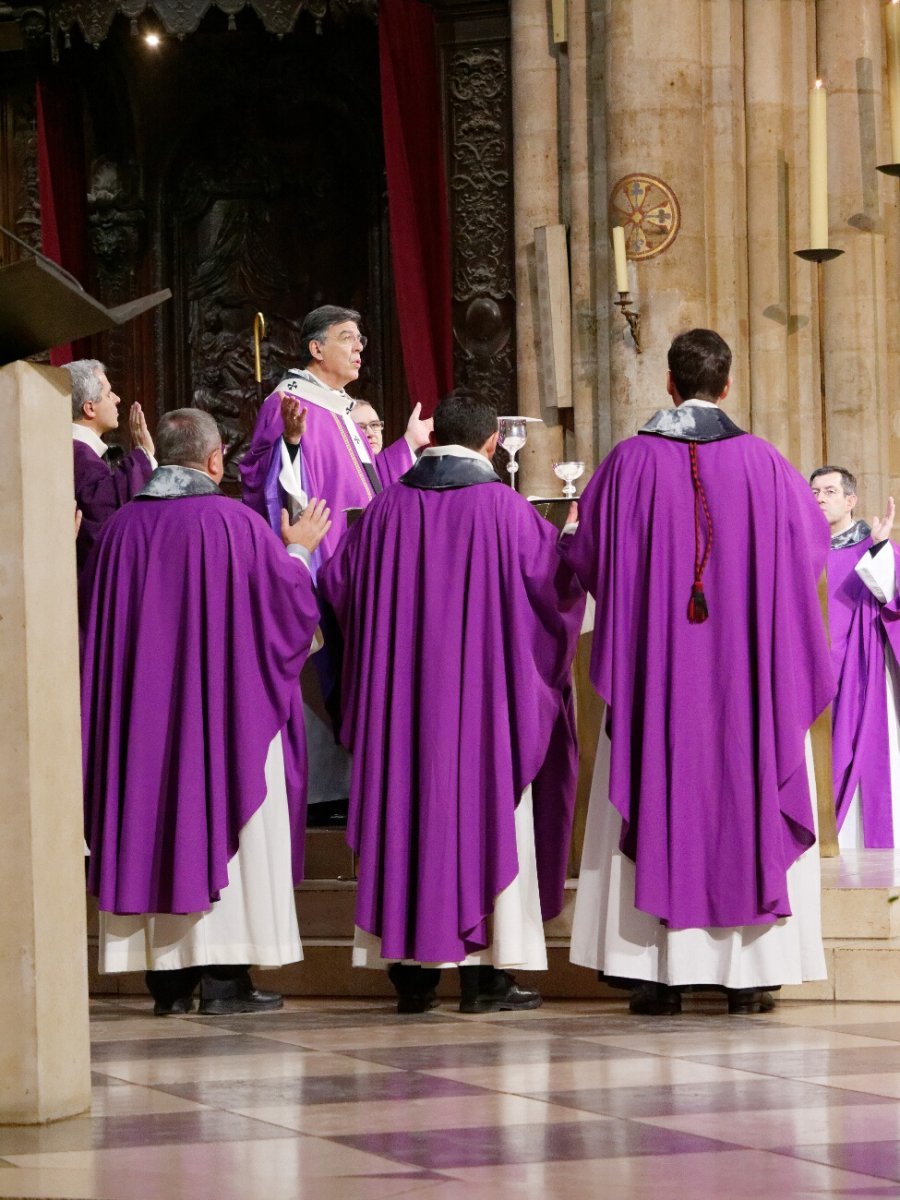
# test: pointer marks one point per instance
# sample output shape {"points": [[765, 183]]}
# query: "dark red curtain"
{"points": [[417, 196], [62, 183]]}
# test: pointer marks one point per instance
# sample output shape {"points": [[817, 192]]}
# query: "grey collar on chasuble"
{"points": [[858, 532], [692, 423], [173, 483], [440, 469]]}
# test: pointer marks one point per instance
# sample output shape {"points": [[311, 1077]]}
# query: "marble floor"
{"points": [[346, 1099]]}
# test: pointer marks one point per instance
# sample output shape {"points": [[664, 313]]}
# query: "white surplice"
{"points": [[878, 572], [517, 929], [255, 919], [610, 935]]}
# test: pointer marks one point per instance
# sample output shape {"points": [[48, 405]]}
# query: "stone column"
{"points": [[584, 233], [537, 183], [784, 400], [673, 114], [44, 1049], [850, 57]]}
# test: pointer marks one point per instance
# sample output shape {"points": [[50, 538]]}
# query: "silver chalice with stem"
{"points": [[568, 472], [512, 438]]}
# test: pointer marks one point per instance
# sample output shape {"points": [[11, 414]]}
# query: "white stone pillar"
{"points": [[44, 1047]]}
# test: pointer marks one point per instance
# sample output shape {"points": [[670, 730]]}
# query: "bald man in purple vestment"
{"points": [[100, 489], [197, 621], [460, 620], [702, 547], [864, 616], [305, 443]]}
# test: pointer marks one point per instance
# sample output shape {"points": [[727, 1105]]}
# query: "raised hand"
{"points": [[309, 528], [418, 431], [293, 418], [881, 526], [137, 427]]}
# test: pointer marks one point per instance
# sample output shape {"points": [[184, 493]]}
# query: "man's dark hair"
{"points": [[849, 486], [186, 437], [317, 323], [700, 362], [463, 419]]}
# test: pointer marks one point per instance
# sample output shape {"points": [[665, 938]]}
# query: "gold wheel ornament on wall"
{"points": [[648, 211]]}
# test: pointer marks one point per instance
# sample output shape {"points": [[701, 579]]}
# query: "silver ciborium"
{"points": [[568, 472]]}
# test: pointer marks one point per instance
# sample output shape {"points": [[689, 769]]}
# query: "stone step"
{"points": [[325, 908], [328, 856]]}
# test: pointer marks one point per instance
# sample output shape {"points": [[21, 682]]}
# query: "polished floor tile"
{"points": [[347, 1100]]}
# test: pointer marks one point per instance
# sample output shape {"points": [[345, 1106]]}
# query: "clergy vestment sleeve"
{"points": [[394, 461], [878, 573], [101, 491]]}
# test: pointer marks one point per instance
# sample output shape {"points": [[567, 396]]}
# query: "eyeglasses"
{"points": [[353, 339], [369, 425]]}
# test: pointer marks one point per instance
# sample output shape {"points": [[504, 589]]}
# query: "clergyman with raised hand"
{"points": [[197, 621], [864, 619]]}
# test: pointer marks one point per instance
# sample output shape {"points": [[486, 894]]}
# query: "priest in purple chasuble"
{"points": [[196, 623], [100, 489], [321, 452], [702, 547], [460, 622], [306, 443], [864, 616]]}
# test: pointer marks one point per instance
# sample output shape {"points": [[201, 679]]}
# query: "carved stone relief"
{"points": [[480, 182], [116, 224], [182, 17], [28, 207]]}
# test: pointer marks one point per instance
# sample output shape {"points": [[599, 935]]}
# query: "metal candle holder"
{"points": [[632, 316], [821, 255]]}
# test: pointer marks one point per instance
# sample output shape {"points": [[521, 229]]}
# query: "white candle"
{"points": [[818, 168], [618, 235], [892, 41]]}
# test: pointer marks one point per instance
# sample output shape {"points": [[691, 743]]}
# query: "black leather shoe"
{"points": [[424, 1002], [498, 992], [750, 1000], [655, 1000], [252, 1001], [173, 1008]]}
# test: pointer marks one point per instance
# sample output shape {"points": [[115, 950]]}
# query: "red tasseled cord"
{"points": [[697, 607]]}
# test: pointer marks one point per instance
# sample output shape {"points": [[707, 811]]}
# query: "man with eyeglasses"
{"points": [[370, 426], [863, 615], [306, 442]]}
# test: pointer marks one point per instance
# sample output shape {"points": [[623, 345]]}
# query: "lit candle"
{"points": [[621, 260], [818, 169], [892, 40]]}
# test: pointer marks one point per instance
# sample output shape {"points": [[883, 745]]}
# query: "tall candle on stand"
{"points": [[621, 261], [818, 168], [892, 41]]}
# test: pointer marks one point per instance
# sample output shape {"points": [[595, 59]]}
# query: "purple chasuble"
{"points": [[330, 468], [707, 721], [860, 626], [460, 621], [197, 622], [100, 490]]}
